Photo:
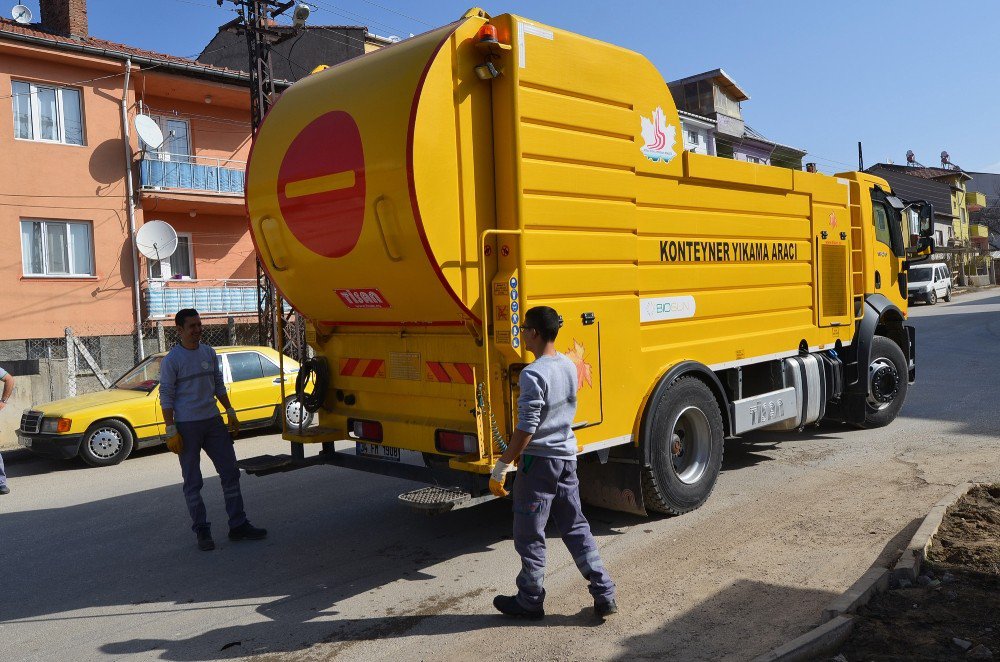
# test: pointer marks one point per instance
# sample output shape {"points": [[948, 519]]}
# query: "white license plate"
{"points": [[378, 451]]}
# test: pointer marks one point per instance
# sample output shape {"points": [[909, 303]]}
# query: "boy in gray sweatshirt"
{"points": [[546, 482]]}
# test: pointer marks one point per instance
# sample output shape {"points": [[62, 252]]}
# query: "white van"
{"points": [[928, 282]]}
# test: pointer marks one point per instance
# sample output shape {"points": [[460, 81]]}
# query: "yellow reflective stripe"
{"points": [[333, 182]]}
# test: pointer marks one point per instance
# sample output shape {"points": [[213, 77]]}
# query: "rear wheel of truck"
{"points": [[887, 382], [684, 444], [106, 443]]}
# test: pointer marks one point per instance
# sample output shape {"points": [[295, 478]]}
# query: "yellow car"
{"points": [[104, 427]]}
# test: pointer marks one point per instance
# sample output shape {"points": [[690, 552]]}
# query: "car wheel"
{"points": [[932, 297], [295, 414], [684, 445], [887, 382], [947, 294], [106, 443]]}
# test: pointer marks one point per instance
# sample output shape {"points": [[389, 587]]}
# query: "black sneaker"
{"points": [[509, 606], [604, 609], [205, 542], [247, 531], [4, 489]]}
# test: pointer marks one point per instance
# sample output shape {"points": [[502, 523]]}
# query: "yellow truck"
{"points": [[414, 202]]}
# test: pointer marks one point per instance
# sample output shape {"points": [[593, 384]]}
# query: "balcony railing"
{"points": [[210, 297], [192, 173]]}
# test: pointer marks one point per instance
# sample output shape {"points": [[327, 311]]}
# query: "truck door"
{"points": [[888, 249]]}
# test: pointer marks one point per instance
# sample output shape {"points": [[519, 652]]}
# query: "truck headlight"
{"points": [[56, 424]]}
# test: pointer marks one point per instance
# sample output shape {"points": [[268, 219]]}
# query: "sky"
{"points": [[893, 74]]}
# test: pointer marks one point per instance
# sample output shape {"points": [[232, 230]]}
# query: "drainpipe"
{"points": [[130, 201]]}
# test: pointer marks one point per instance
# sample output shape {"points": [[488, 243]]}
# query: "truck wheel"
{"points": [[684, 448], [887, 382], [106, 443]]}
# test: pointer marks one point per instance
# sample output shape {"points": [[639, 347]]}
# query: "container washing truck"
{"points": [[412, 203]]}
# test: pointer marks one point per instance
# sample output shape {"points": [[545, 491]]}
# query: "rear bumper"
{"points": [[62, 446]]}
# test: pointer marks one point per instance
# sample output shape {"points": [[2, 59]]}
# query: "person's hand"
{"points": [[234, 423], [497, 478], [174, 441]]}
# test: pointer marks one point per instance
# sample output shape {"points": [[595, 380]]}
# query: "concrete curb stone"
{"points": [[837, 616]]}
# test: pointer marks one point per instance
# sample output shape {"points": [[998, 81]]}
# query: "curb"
{"points": [[908, 566], [838, 615]]}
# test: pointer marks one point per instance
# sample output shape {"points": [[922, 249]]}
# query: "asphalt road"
{"points": [[99, 564]]}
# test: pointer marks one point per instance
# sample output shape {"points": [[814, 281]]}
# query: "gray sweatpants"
{"points": [[545, 486]]}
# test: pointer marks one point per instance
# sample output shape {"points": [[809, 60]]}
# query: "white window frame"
{"points": [[70, 255], [159, 153], [36, 127], [165, 263]]}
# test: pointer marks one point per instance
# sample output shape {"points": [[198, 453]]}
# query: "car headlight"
{"points": [[56, 424]]}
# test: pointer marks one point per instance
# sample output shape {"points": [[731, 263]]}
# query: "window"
{"points": [[881, 218], [176, 140], [754, 159], [180, 264], [244, 366], [269, 366], [57, 248], [49, 114]]}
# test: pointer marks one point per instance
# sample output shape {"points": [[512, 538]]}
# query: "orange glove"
{"points": [[498, 477], [174, 441]]}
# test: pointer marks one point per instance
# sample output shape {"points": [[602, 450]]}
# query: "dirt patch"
{"points": [[953, 612]]}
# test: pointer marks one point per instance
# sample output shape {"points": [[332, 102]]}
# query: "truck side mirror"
{"points": [[925, 217]]}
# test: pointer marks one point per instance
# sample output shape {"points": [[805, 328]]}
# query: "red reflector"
{"points": [[456, 442], [370, 430]]}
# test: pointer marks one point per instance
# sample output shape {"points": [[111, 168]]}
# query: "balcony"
{"points": [[210, 297], [161, 171]]}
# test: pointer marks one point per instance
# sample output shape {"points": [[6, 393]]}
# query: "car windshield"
{"points": [[920, 275], [143, 377]]}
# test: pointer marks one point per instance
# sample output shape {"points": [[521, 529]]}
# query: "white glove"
{"points": [[497, 478], [171, 431]]}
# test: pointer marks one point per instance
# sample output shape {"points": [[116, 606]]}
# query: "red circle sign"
{"points": [[321, 185]]}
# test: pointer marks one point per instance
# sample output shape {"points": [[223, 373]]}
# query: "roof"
{"points": [[720, 78], [694, 116], [909, 187], [751, 133], [987, 183], [36, 33], [933, 173], [297, 56]]}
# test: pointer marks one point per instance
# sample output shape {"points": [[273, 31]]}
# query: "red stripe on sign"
{"points": [[349, 367], [439, 372], [465, 370], [373, 367]]}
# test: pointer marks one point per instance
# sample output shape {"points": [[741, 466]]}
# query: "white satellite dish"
{"points": [[149, 131], [156, 240], [21, 14]]}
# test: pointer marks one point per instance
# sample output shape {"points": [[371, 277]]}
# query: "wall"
{"points": [[65, 182], [216, 131], [221, 244]]}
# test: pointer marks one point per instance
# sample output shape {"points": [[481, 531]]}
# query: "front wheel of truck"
{"points": [[887, 382], [684, 447]]}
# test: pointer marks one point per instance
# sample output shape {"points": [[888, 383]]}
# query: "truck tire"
{"points": [[887, 382], [106, 443], [684, 448]]}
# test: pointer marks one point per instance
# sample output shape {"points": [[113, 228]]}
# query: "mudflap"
{"points": [[615, 485]]}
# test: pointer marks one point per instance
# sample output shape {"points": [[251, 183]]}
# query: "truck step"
{"points": [[266, 464], [436, 499]]}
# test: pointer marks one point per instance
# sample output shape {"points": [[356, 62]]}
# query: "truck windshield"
{"points": [[919, 275], [143, 377]]}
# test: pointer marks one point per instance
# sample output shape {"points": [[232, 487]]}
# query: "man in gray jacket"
{"points": [[546, 482]]}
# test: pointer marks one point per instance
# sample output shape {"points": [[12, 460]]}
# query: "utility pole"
{"points": [[253, 18]]}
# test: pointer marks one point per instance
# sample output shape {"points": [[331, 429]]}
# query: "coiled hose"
{"points": [[317, 371], [494, 429]]}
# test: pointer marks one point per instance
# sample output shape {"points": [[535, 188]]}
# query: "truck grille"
{"points": [[834, 281], [31, 421]]}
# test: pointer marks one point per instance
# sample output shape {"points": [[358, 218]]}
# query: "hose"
{"points": [[494, 429], [317, 371]]}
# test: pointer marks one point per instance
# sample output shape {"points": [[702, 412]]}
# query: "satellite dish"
{"points": [[21, 14], [149, 131], [156, 240]]}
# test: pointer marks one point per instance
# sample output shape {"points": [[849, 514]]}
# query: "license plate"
{"points": [[378, 452], [25, 441]]}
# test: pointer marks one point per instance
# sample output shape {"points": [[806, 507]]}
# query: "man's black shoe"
{"points": [[247, 531], [4, 489], [604, 609], [205, 542], [509, 606]]}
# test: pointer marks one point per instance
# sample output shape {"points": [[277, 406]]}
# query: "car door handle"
{"points": [[277, 380]]}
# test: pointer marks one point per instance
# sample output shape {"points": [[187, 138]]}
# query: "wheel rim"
{"points": [[883, 383], [105, 443], [294, 413], [689, 445]]}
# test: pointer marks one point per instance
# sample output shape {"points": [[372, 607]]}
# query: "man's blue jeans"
{"points": [[3, 473], [211, 436]]}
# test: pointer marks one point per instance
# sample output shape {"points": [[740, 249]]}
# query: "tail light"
{"points": [[367, 430], [455, 442]]}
